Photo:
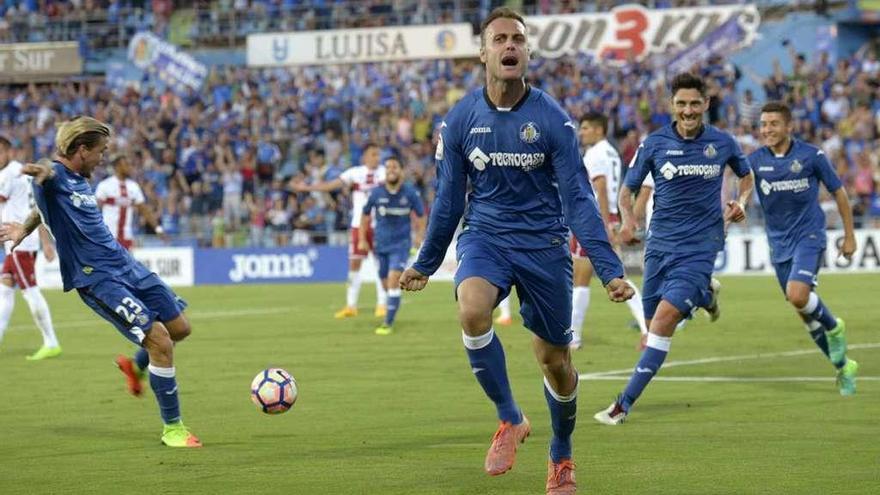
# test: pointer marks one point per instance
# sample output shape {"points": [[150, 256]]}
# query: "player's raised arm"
{"points": [[40, 171], [445, 214], [579, 205], [323, 186]]}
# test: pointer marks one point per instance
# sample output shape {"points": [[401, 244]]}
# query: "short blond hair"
{"points": [[499, 13], [80, 131]]}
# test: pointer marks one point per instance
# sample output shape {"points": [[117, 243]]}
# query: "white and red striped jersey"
{"points": [[362, 180], [602, 160], [118, 199], [18, 198]]}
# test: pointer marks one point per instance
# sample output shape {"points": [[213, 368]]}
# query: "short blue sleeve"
{"points": [[738, 161], [640, 166], [825, 172]]}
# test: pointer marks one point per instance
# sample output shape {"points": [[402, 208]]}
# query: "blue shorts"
{"points": [[133, 301], [542, 278], [803, 266], [392, 260], [682, 279]]}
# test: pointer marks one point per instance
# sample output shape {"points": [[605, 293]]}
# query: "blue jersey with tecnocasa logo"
{"points": [[687, 175], [788, 190], [527, 183], [391, 212], [87, 251]]}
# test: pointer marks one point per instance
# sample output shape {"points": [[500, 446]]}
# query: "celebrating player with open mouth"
{"points": [[519, 151]]}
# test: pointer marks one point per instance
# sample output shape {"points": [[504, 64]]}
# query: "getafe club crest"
{"points": [[795, 167], [709, 151], [529, 132]]}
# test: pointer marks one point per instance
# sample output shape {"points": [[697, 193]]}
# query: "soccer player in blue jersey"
{"points": [[686, 159], [107, 278], [788, 172], [392, 203], [519, 151]]}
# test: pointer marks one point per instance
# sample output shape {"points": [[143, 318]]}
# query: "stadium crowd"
{"points": [[111, 23], [218, 164]]}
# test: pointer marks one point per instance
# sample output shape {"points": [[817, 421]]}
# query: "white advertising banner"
{"points": [[346, 46], [173, 264], [446, 272], [749, 254], [744, 254], [634, 31], [626, 31]]}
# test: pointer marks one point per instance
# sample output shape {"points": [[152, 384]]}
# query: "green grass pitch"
{"points": [[404, 415]]}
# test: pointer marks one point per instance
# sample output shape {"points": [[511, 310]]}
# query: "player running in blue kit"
{"points": [[788, 172], [107, 278], [392, 202], [686, 160], [519, 151]]}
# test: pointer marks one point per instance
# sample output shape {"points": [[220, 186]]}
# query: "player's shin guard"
{"points": [[141, 359], [40, 312], [636, 308], [817, 310], [563, 414], [486, 355], [648, 366], [354, 289], [164, 385], [7, 303], [393, 306]]}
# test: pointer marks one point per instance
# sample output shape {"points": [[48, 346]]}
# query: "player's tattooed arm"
{"points": [[16, 232], [32, 222]]}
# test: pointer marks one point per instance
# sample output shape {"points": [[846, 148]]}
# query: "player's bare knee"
{"points": [[555, 364], [797, 296], [663, 323], [179, 328], [474, 320]]}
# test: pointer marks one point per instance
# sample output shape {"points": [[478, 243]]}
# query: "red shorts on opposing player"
{"points": [[20, 265], [578, 251], [353, 251]]}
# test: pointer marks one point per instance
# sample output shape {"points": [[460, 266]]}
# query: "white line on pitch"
{"points": [[740, 379], [723, 359]]}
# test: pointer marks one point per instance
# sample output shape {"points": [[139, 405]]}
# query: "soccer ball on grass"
{"points": [[274, 391]]}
